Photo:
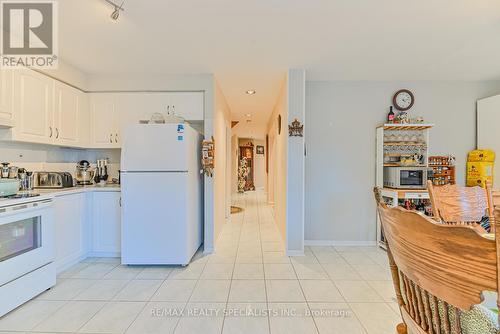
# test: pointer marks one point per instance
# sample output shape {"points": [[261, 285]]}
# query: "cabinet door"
{"points": [[6, 83], [106, 224], [33, 98], [69, 220], [103, 121], [66, 115], [189, 105], [84, 119]]}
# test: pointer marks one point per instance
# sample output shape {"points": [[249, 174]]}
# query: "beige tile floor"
{"points": [[248, 286]]}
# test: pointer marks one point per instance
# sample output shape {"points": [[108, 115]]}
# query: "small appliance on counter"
{"points": [[53, 180], [26, 181], [84, 173], [5, 170], [101, 174]]}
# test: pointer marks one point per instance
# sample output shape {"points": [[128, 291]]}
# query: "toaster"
{"points": [[53, 180]]}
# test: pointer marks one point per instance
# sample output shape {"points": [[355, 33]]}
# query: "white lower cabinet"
{"points": [[106, 224], [70, 229]]}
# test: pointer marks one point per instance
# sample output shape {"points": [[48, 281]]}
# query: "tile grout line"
{"points": [[263, 267], [232, 275], [190, 296]]}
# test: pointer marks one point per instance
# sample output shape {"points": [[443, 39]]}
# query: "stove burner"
{"points": [[18, 196]]}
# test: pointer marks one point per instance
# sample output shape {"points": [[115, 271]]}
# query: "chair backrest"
{"points": [[453, 203], [457, 204], [430, 262]]}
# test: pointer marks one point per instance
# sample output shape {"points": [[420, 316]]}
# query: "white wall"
{"points": [[278, 162], [260, 175], [295, 184], [234, 163], [222, 176], [69, 74], [340, 165], [35, 157]]}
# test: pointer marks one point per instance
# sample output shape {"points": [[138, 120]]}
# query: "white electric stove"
{"points": [[26, 249]]}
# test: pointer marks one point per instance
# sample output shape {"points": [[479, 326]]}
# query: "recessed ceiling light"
{"points": [[251, 92], [249, 115]]}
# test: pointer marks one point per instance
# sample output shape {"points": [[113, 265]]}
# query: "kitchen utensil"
{"points": [[29, 181], [8, 187]]}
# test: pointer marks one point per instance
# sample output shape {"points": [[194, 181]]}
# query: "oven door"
{"points": [[26, 239], [412, 178]]}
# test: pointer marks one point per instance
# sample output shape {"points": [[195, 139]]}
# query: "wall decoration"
{"points": [[260, 149], [279, 124], [296, 129], [208, 156], [243, 172], [403, 100]]}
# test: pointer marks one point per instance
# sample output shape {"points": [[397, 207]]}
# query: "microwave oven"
{"points": [[406, 177]]}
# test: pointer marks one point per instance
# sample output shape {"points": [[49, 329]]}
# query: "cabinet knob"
{"points": [[111, 138], [57, 133], [50, 133]]}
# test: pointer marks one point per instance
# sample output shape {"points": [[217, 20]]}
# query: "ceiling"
{"points": [[251, 44]]}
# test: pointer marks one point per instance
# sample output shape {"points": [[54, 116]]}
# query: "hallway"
{"points": [[329, 290], [247, 287]]}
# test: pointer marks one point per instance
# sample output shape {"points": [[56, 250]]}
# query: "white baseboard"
{"points": [[66, 263], [104, 254], [207, 251], [338, 243], [294, 253]]}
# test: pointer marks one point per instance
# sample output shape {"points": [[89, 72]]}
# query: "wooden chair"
{"points": [[456, 205], [439, 271]]}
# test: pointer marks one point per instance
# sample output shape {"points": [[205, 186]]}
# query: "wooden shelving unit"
{"points": [[411, 127], [384, 150]]}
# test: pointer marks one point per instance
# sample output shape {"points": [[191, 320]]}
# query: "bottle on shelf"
{"points": [[391, 115]]}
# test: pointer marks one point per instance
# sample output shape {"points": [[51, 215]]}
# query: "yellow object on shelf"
{"points": [[481, 156], [478, 173]]}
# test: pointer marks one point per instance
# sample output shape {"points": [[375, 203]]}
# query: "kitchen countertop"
{"points": [[51, 193], [75, 190]]}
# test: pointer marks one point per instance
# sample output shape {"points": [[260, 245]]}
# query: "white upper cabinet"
{"points": [[68, 115], [104, 128], [43, 110], [6, 117], [189, 105], [133, 107], [32, 107]]}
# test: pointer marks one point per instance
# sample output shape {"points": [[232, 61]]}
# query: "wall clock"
{"points": [[403, 100]]}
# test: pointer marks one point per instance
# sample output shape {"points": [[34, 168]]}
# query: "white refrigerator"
{"points": [[162, 194]]}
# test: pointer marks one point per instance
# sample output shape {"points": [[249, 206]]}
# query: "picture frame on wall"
{"points": [[260, 149]]}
